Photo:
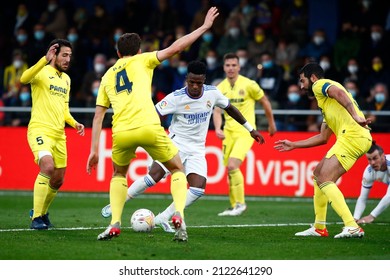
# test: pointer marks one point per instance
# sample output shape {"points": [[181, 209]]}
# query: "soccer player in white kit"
{"points": [[378, 170], [191, 107]]}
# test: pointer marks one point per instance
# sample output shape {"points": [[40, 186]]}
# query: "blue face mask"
{"points": [[207, 37], [117, 36], [95, 91], [293, 97], [352, 92], [73, 37], [182, 70], [165, 63], [268, 64], [22, 38], [39, 35], [24, 96], [379, 97]]}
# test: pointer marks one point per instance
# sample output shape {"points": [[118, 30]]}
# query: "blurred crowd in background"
{"points": [[350, 39]]}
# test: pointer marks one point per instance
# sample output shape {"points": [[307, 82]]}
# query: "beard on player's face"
{"points": [[309, 90]]}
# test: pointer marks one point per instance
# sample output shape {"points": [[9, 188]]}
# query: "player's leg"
{"points": [[196, 170], [123, 151], [240, 147], [57, 177], [40, 145], [156, 173], [227, 146], [41, 188], [320, 202], [339, 159], [163, 150], [330, 172]]}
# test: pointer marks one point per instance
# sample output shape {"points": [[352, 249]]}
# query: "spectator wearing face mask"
{"points": [[80, 98], [233, 39], [379, 102], [11, 80], [179, 74], [295, 100], [317, 46], [352, 72], [374, 44], [271, 78], [214, 70], [207, 42], [21, 41], [352, 87], [378, 73], [39, 42], [79, 58], [99, 68], [259, 43], [24, 100], [330, 71], [247, 67]]}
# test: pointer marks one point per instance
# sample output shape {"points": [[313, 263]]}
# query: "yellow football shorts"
{"points": [[152, 138], [349, 149], [56, 145], [236, 145]]}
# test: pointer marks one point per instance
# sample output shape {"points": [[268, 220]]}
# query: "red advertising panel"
{"points": [[267, 172]]}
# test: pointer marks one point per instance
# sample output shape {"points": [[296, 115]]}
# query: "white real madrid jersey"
{"points": [[191, 116]]}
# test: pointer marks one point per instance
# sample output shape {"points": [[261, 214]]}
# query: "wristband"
{"points": [[248, 126]]}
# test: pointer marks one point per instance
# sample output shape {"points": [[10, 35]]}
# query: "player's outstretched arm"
{"points": [[316, 140], [187, 40]]}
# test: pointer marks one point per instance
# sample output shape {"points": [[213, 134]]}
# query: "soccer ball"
{"points": [[142, 220]]}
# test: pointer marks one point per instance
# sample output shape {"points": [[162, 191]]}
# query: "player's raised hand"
{"points": [[211, 15], [51, 52]]}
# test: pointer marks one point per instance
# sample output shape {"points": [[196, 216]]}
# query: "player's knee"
{"points": [[56, 183]]}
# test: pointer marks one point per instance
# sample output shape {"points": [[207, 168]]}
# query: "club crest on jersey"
{"points": [[187, 107], [241, 92], [208, 104], [163, 104]]}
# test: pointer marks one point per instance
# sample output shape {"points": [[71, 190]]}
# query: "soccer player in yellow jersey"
{"points": [[243, 93], [341, 116], [126, 87], [50, 88]]}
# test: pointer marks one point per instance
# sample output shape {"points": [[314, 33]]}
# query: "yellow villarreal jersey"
{"points": [[335, 115], [126, 86], [50, 101], [242, 95]]}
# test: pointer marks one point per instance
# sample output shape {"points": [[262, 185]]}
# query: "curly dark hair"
{"points": [[197, 67]]}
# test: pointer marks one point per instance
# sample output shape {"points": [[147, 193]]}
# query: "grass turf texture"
{"points": [[264, 232]]}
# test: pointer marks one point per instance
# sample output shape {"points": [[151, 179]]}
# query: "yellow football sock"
{"points": [[236, 184], [337, 201], [40, 190], [118, 195], [320, 207], [50, 195], [179, 191]]}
